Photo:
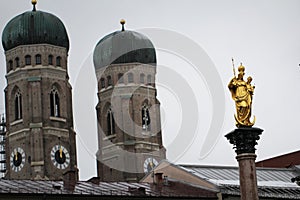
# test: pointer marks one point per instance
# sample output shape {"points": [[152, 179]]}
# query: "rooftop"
{"points": [[274, 183], [109, 189]]}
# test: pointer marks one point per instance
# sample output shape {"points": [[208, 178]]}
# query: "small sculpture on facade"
{"points": [[242, 93]]}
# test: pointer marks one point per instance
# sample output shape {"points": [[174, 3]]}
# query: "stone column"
{"points": [[244, 140]]}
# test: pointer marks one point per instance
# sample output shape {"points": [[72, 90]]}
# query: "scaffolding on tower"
{"points": [[2, 146]]}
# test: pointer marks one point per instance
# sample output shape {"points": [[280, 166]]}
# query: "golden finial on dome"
{"points": [[122, 21], [34, 2]]}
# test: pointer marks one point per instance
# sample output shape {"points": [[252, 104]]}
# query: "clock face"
{"points": [[17, 159], [149, 164], [60, 157]]}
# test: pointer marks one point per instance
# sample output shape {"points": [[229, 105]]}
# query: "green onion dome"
{"points": [[124, 47], [34, 27]]}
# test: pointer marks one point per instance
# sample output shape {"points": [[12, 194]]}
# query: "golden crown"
{"points": [[241, 68]]}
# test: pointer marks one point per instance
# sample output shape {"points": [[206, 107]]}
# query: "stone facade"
{"points": [[39, 113], [133, 145]]}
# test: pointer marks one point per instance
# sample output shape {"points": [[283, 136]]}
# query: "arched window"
{"points": [[10, 65], [58, 61], [28, 60], [102, 82], [54, 103], [145, 118], [149, 81], [130, 78], [17, 61], [18, 106], [38, 59], [110, 122], [50, 60], [120, 78], [109, 81], [142, 78]]}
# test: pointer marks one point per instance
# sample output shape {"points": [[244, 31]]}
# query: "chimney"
{"points": [[158, 178], [70, 180], [94, 180]]}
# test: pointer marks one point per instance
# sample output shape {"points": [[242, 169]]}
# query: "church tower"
{"points": [[128, 112], [40, 139]]}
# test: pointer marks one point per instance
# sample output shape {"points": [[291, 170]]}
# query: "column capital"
{"points": [[244, 139]]}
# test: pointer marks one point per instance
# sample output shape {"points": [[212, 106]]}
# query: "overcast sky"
{"points": [[262, 34]]}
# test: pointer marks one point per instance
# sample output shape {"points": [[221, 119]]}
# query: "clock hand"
{"points": [[60, 152], [16, 156], [151, 165]]}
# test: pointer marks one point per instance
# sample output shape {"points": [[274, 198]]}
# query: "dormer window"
{"points": [[58, 61], [17, 61], [109, 81], [142, 78], [130, 78], [38, 59], [10, 65], [102, 82], [50, 60], [149, 81], [120, 78], [28, 60]]}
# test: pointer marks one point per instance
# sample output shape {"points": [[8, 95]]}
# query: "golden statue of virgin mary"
{"points": [[242, 92]]}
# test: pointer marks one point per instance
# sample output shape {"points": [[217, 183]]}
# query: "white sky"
{"points": [[263, 34]]}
